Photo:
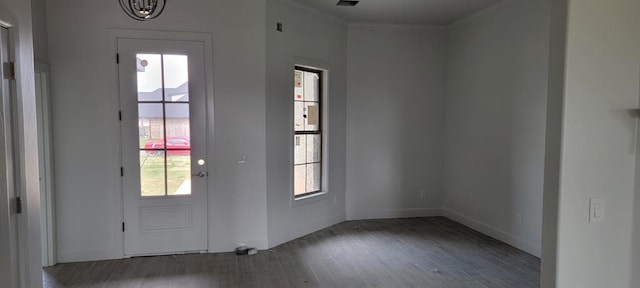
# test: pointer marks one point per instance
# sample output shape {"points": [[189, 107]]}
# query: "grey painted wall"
{"points": [[395, 118], [495, 121], [320, 41]]}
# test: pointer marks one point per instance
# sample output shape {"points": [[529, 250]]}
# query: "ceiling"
{"points": [[417, 12]]}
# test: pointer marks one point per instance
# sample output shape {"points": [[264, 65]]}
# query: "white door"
{"points": [[163, 118]]}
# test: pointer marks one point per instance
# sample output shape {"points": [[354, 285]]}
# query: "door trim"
{"points": [[11, 266], [42, 73], [118, 191]]}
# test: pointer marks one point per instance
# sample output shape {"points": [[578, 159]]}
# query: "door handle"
{"points": [[200, 174]]}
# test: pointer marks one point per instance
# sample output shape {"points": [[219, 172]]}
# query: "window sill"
{"points": [[310, 199]]}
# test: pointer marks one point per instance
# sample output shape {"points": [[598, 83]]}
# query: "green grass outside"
{"points": [[152, 173]]}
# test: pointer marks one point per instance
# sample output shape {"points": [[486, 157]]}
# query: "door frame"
{"points": [[26, 269], [118, 192], [45, 148], [9, 231]]}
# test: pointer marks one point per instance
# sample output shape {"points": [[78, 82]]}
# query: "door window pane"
{"points": [[177, 121], [149, 77], [176, 80], [151, 126], [178, 172], [152, 173]]}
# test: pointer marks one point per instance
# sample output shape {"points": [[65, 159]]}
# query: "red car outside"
{"points": [[175, 146]]}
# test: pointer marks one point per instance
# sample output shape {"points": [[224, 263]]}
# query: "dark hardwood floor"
{"points": [[414, 252]]}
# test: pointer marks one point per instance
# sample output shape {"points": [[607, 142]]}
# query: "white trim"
{"points": [[46, 162], [11, 268], [325, 194], [113, 35], [393, 213], [522, 244]]}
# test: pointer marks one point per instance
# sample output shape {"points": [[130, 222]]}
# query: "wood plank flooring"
{"points": [[413, 252]]}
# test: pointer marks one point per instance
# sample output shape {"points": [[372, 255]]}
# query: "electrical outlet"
{"points": [[422, 194], [519, 218]]}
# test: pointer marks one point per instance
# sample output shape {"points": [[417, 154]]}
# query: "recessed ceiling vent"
{"points": [[350, 3]]}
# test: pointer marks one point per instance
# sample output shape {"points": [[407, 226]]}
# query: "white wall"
{"points": [[495, 121], [18, 15], [318, 40], [598, 147], [84, 117], [395, 120]]}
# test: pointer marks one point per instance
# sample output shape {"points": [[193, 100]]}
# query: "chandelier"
{"points": [[142, 10]]}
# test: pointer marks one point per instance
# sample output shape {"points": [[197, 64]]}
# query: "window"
{"points": [[164, 124], [307, 142]]}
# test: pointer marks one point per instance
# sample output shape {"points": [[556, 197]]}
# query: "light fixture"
{"points": [[142, 10]]}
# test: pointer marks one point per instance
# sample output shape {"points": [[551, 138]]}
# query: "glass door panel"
{"points": [[164, 124]]}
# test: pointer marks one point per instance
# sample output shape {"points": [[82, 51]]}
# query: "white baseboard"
{"points": [[397, 213], [513, 240]]}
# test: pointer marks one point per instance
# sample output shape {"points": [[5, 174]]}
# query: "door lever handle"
{"points": [[200, 174]]}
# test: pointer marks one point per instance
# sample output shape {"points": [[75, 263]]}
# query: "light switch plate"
{"points": [[596, 210]]}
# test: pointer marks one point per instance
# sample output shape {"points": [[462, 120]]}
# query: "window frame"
{"points": [[321, 131]]}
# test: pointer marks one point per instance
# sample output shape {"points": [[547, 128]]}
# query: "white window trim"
{"points": [[325, 193]]}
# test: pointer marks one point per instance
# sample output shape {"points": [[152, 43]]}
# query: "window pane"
{"points": [[152, 174], [312, 116], [151, 126], [313, 148], [300, 148], [179, 173], [313, 177], [149, 77], [299, 179], [297, 88], [176, 78], [299, 116], [177, 121], [311, 87]]}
